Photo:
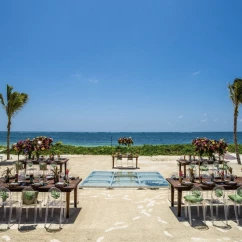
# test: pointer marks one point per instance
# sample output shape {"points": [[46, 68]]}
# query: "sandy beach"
{"points": [[127, 214]]}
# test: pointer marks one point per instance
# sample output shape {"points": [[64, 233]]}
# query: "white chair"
{"points": [[217, 199], [194, 197], [29, 199], [55, 200], [7, 201], [236, 199]]}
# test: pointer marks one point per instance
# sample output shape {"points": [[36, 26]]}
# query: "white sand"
{"points": [[127, 214]]}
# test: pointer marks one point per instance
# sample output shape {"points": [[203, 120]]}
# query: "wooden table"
{"points": [[58, 162], [125, 156], [180, 188], [184, 163], [72, 187]]}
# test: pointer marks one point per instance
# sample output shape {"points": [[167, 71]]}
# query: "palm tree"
{"points": [[15, 102], [235, 90]]}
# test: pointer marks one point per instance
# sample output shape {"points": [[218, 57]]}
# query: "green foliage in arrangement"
{"points": [[144, 150]]}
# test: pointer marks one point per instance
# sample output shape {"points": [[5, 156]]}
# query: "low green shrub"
{"points": [[145, 150]]}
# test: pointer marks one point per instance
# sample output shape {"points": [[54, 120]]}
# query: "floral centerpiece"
{"points": [[41, 143], [125, 141], [202, 145], [210, 147], [18, 147], [28, 147], [36, 145], [221, 147]]}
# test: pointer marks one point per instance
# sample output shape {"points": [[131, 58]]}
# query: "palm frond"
{"points": [[235, 90], [16, 103], [2, 101], [9, 91]]}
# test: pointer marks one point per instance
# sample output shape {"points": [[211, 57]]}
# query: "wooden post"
{"points": [[75, 197], [67, 204], [179, 203]]}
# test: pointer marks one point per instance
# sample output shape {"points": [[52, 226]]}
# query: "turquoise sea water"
{"points": [[106, 138]]}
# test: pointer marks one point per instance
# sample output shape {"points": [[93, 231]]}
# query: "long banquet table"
{"points": [[73, 186], [176, 185]]}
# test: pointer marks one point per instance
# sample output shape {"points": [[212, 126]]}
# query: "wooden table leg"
{"points": [[75, 197], [179, 169], [136, 162], [65, 165], [113, 161], [60, 167], [179, 203], [185, 170], [67, 204], [172, 195]]}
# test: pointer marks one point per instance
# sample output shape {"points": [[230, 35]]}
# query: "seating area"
{"points": [[148, 209], [205, 183], [24, 185]]}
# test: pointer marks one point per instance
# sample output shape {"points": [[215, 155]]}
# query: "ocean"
{"points": [[90, 139]]}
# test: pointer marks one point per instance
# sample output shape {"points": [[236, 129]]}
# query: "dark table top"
{"points": [[125, 155], [187, 162], [73, 184], [62, 161], [177, 185]]}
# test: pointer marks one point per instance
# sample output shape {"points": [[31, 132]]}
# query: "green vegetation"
{"points": [[145, 150], [12, 105]]}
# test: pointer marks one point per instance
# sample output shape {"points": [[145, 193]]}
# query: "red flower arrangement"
{"points": [[125, 141], [202, 145], [36, 145], [207, 146], [222, 147]]}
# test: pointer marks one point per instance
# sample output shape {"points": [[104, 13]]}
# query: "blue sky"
{"points": [[130, 65]]}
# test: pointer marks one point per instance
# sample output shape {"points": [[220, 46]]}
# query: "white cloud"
{"points": [[94, 81], [204, 120], [169, 123], [205, 114], [196, 73], [215, 120], [77, 75], [180, 116], [240, 120]]}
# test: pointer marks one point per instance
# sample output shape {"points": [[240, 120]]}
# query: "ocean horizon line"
{"points": [[21, 131]]}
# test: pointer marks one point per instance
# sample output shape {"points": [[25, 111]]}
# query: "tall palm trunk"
{"points": [[235, 134], [8, 139]]}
